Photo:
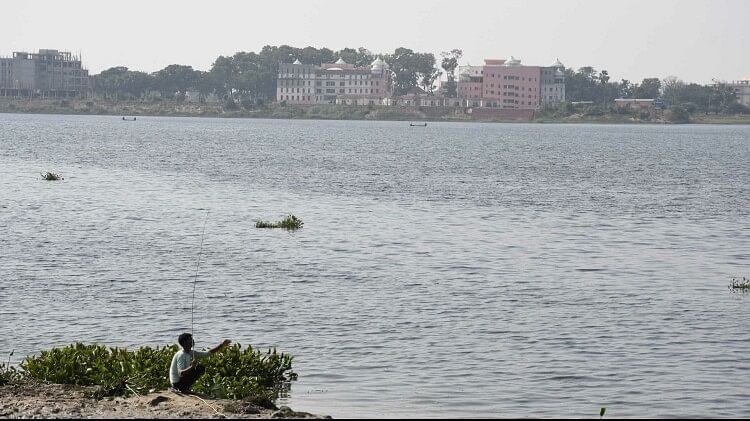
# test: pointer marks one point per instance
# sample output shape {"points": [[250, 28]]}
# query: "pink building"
{"points": [[502, 84], [470, 82]]}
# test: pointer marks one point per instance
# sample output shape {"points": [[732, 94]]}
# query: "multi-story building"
{"points": [[553, 84], [48, 73], [742, 90], [470, 82], [510, 85], [333, 83]]}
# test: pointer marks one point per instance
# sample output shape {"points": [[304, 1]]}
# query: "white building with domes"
{"points": [[334, 83], [553, 84]]}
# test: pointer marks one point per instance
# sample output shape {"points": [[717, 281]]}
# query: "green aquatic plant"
{"points": [[289, 222], [51, 176], [738, 284], [234, 373], [264, 224], [8, 374]]}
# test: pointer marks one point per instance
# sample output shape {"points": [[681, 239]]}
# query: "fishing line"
{"points": [[195, 281]]}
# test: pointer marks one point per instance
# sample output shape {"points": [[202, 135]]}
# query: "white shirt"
{"points": [[181, 361]]}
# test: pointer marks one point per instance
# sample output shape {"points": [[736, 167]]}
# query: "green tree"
{"points": [[649, 88], [402, 63], [428, 80], [221, 75], [603, 80], [449, 65], [175, 79], [625, 89], [360, 57], [109, 83], [121, 83]]}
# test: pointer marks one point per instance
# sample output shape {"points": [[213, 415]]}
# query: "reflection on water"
{"points": [[462, 269]]}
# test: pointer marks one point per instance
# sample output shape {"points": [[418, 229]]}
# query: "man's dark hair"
{"points": [[185, 340]]}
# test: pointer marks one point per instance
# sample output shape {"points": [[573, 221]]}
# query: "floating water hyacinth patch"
{"points": [[740, 285], [289, 222], [51, 176]]}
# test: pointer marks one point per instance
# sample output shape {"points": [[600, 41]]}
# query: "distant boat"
{"points": [[418, 125], [128, 119]]}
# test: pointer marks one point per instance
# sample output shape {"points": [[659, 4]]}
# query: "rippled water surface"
{"points": [[454, 270]]}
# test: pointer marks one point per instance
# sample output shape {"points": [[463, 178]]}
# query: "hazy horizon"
{"points": [[696, 41]]}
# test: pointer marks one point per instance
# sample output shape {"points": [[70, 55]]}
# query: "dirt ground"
{"points": [[37, 401]]}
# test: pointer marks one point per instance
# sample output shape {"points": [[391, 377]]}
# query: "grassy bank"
{"points": [[93, 381], [323, 112], [234, 373]]}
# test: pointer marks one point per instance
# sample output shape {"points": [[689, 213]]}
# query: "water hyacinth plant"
{"points": [[8, 374], [234, 373], [51, 176], [289, 222], [738, 284]]}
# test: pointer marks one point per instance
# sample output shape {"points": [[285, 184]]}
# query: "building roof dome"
{"points": [[378, 65], [557, 63], [512, 62]]}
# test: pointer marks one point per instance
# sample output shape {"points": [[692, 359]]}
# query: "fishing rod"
{"points": [[195, 281]]}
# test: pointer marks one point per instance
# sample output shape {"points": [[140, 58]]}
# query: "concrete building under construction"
{"points": [[46, 74]]}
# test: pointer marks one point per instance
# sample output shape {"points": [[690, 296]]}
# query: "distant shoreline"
{"points": [[314, 112]]}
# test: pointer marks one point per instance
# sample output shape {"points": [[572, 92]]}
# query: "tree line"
{"points": [[588, 84], [252, 76]]}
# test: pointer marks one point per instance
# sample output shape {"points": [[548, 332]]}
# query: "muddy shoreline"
{"points": [[39, 401]]}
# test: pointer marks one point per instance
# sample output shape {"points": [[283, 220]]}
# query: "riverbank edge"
{"points": [[28, 399], [316, 112]]}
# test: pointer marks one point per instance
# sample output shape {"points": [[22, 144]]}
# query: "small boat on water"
{"points": [[418, 125], [129, 119]]}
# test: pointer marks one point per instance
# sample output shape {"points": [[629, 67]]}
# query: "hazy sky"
{"points": [[696, 40]]}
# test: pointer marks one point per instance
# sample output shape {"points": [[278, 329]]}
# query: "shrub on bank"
{"points": [[8, 374], [677, 114], [234, 373]]}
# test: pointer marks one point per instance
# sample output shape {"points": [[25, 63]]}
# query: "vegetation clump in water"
{"points": [[51, 176], [235, 373], [738, 284], [290, 222]]}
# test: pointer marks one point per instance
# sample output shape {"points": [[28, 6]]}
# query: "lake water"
{"points": [[500, 270]]}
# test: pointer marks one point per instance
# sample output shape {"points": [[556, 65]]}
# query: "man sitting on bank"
{"points": [[185, 370]]}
